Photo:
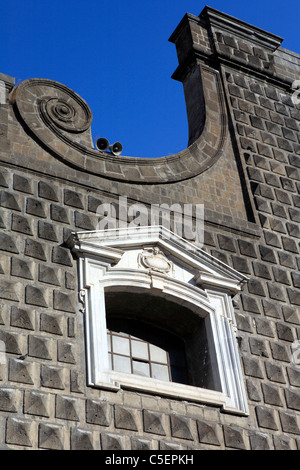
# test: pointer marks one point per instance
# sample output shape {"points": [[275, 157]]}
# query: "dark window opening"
{"points": [[184, 335]]}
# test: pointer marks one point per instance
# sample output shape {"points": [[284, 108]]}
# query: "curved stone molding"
{"points": [[61, 120]]}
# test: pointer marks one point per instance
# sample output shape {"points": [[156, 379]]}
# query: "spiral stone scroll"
{"points": [[60, 119]]}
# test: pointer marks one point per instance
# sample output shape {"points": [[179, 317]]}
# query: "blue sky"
{"points": [[116, 55]]}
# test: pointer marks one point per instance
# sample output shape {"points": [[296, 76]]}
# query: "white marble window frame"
{"points": [[210, 295]]}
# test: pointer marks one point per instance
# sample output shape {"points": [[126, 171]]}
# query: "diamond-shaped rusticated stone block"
{"points": [[234, 437], [15, 343], [81, 439], [19, 432], [48, 191], [53, 377], [35, 207], [72, 198], [41, 347], [9, 399], [22, 184], [9, 290], [21, 268], [22, 371], [153, 422], [67, 408], [51, 323], [8, 243], [98, 413], [48, 275], [181, 427], [36, 296], [36, 403], [61, 255], [22, 318], [63, 301], [59, 214], [208, 433], [112, 442], [66, 352], [35, 250], [51, 436], [259, 441], [125, 418], [9, 201], [141, 444], [47, 231], [21, 224], [4, 179]]}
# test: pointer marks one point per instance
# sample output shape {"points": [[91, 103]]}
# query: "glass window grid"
{"points": [[133, 358]]}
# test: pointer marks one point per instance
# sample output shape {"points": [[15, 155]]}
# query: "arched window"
{"points": [[159, 316]]}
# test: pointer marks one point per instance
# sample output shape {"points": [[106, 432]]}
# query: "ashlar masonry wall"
{"points": [[242, 163]]}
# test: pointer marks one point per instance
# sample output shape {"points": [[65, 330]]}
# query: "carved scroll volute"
{"points": [[60, 119], [45, 106]]}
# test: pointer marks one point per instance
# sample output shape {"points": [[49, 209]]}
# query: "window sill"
{"points": [[115, 381]]}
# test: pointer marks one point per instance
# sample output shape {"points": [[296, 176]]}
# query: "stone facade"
{"points": [[242, 163]]}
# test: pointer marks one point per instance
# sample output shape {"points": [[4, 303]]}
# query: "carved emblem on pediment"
{"points": [[155, 260]]}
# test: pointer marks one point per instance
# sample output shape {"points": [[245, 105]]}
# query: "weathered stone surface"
{"points": [[207, 433], [20, 183], [48, 275], [98, 413], [19, 432], [234, 437], [21, 268], [153, 423], [47, 231], [48, 191], [8, 400], [36, 296], [20, 224], [51, 323], [66, 408], [52, 377], [72, 198], [81, 439], [66, 352], [35, 207], [36, 403], [35, 249], [21, 371], [259, 441], [40, 347], [125, 418], [112, 442], [63, 301], [51, 436], [9, 290], [266, 418], [22, 318], [61, 255]]}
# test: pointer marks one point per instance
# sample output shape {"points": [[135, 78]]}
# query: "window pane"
{"points": [[160, 372], [141, 368], [158, 354], [121, 345], [139, 349], [122, 364]]}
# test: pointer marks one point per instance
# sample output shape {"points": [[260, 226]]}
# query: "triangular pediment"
{"points": [[156, 249]]}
